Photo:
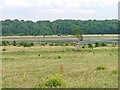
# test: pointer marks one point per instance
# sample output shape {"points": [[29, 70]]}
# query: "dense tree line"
{"points": [[58, 27]]}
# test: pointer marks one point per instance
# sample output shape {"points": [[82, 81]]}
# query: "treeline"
{"points": [[58, 27]]}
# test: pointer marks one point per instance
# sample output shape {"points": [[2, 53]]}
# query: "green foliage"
{"points": [[26, 44], [114, 71], [58, 27], [103, 44], [51, 44], [14, 43], [97, 44], [59, 57], [42, 44], [101, 67], [83, 46], [61, 44], [90, 46], [78, 34], [56, 44], [5, 43], [55, 81], [32, 44], [66, 44]]}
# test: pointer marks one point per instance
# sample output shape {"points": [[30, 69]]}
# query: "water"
{"points": [[62, 40]]}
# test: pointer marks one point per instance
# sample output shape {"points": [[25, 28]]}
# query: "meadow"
{"points": [[31, 67]]}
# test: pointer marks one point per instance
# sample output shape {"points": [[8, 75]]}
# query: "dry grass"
{"points": [[25, 68]]}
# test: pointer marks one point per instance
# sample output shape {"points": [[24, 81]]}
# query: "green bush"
{"points": [[4, 49], [97, 44], [31, 44], [56, 44], [66, 44], [42, 44], [83, 46], [51, 44], [26, 44], [14, 43], [61, 44], [59, 57], [5, 43], [54, 82], [90, 46], [101, 67], [103, 44]]}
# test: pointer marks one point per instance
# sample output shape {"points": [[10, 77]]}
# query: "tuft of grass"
{"points": [[101, 67], [59, 57], [38, 54], [114, 71]]}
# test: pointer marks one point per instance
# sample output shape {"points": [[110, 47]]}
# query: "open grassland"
{"points": [[30, 67]]}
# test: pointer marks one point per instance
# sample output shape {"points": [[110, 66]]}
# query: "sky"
{"points": [[58, 9]]}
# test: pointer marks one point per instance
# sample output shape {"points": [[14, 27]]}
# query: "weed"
{"points": [[101, 67], [38, 54], [114, 71], [59, 57]]}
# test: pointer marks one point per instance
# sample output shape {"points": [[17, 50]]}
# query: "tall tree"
{"points": [[78, 35]]}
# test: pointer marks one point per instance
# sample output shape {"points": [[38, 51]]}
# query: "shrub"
{"points": [[59, 57], [51, 44], [101, 67], [14, 43], [21, 43], [5, 43], [61, 44], [83, 46], [103, 44], [31, 44], [90, 46], [97, 44], [4, 49], [66, 44], [55, 81], [56, 44], [27, 44], [42, 44]]}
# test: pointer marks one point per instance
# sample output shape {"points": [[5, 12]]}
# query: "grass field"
{"points": [[30, 67]]}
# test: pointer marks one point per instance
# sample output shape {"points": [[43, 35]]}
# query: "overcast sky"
{"points": [[58, 9]]}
